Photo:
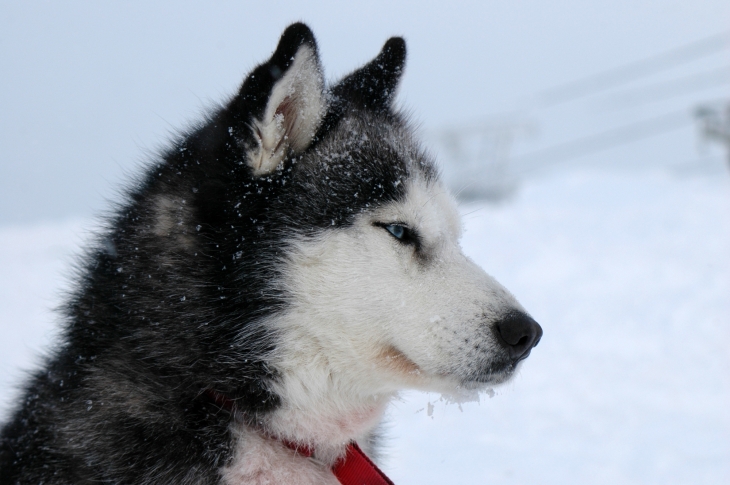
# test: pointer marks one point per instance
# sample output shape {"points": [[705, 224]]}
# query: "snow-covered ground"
{"points": [[629, 275]]}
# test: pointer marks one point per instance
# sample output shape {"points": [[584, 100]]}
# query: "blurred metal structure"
{"points": [[714, 122], [478, 158], [480, 163]]}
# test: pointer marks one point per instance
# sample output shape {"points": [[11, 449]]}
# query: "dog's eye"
{"points": [[401, 232], [398, 231]]}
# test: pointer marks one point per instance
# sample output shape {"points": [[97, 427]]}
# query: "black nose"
{"points": [[520, 333]]}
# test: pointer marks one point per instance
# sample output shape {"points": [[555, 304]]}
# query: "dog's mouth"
{"points": [[491, 373], [399, 362]]}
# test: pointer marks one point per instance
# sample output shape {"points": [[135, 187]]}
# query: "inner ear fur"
{"points": [[295, 101]]}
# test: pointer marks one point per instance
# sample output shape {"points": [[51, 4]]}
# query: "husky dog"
{"points": [[269, 285]]}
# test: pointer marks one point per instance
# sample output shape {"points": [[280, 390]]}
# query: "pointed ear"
{"points": [[373, 86], [286, 98]]}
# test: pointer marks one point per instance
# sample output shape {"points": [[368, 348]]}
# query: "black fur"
{"points": [[188, 266], [372, 87]]}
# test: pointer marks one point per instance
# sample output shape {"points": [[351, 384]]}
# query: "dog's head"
{"points": [[377, 294]]}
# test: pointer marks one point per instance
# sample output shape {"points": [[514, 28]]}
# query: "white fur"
{"points": [[265, 461], [369, 318], [293, 113]]}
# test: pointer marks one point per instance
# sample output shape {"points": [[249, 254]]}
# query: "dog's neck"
{"points": [[329, 426], [261, 459], [324, 430]]}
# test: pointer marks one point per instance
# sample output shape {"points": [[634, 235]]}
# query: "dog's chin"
{"points": [[485, 382], [492, 375], [456, 383]]}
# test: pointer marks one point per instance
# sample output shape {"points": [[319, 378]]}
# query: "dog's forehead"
{"points": [[387, 152], [380, 136], [365, 163], [428, 208]]}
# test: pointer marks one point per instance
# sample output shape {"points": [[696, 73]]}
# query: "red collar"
{"points": [[355, 468]]}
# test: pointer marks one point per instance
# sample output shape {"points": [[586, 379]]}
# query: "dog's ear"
{"points": [[373, 86], [286, 101]]}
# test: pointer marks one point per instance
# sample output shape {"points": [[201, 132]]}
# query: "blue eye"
{"points": [[402, 233], [396, 230]]}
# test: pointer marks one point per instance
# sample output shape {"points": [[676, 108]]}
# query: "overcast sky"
{"points": [[89, 91]]}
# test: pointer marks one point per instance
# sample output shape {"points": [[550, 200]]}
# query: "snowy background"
{"points": [[620, 250]]}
